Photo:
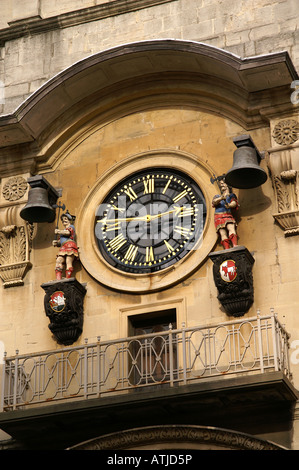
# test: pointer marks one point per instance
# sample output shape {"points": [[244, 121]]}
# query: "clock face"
{"points": [[150, 221]]}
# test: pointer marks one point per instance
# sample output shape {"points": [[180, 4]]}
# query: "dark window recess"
{"points": [[150, 357]]}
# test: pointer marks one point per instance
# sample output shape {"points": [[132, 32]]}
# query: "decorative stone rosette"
{"points": [[15, 188], [286, 132]]}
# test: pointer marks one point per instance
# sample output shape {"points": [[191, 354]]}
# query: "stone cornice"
{"points": [[38, 25], [135, 76]]}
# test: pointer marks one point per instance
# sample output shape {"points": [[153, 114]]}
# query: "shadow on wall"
{"points": [[253, 201]]}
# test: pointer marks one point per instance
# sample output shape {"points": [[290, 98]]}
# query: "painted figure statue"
{"points": [[68, 251], [225, 223]]}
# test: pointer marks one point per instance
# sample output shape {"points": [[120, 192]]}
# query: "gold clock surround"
{"points": [[90, 255]]}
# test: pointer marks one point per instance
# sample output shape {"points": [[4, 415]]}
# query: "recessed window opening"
{"points": [[152, 322], [152, 357]]}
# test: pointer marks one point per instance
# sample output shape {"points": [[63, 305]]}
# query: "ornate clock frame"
{"points": [[90, 255]]}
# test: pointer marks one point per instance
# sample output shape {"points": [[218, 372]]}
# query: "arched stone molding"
{"points": [[177, 437], [138, 76]]}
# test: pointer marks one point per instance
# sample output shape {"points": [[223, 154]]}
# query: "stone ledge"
{"points": [[241, 403], [38, 25]]}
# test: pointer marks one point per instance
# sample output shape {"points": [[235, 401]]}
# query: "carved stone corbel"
{"points": [[14, 254], [63, 304], [232, 272], [283, 163], [15, 234]]}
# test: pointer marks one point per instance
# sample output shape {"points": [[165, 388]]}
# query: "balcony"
{"points": [[205, 370]]}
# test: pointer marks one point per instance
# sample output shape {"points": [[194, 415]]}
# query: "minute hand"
{"points": [[146, 218], [125, 219]]}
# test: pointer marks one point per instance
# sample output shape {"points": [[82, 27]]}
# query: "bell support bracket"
{"points": [[63, 304], [232, 272]]}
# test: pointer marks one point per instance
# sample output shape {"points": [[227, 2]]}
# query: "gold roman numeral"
{"points": [[149, 185], [184, 232], [110, 225], [119, 209], [186, 211], [131, 193], [117, 242], [169, 247], [165, 189], [149, 254], [114, 226], [131, 253], [179, 196]]}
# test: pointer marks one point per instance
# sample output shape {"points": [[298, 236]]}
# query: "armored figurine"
{"points": [[225, 223], [68, 251]]}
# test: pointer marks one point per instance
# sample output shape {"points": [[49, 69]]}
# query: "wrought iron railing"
{"points": [[180, 356]]}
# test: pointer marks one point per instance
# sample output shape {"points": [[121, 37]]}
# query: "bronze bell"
{"points": [[42, 198], [245, 172]]}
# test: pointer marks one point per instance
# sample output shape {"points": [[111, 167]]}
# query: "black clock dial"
{"points": [[150, 221]]}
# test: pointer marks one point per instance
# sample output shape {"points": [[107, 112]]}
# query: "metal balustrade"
{"points": [[175, 357]]}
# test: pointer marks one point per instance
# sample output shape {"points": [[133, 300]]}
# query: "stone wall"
{"points": [[243, 27], [42, 39]]}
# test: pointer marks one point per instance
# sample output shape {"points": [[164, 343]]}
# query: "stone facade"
{"points": [[245, 28], [59, 118]]}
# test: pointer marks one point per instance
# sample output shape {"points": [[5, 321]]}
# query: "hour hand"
{"points": [[176, 210]]}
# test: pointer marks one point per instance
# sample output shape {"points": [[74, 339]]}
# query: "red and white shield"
{"points": [[228, 270], [57, 301]]}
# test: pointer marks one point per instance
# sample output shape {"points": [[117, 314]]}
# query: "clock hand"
{"points": [[146, 218], [124, 219], [177, 210]]}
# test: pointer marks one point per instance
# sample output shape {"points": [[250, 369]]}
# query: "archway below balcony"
{"points": [[178, 437]]}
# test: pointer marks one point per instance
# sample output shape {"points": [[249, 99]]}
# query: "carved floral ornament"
{"points": [[286, 132], [14, 188]]}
